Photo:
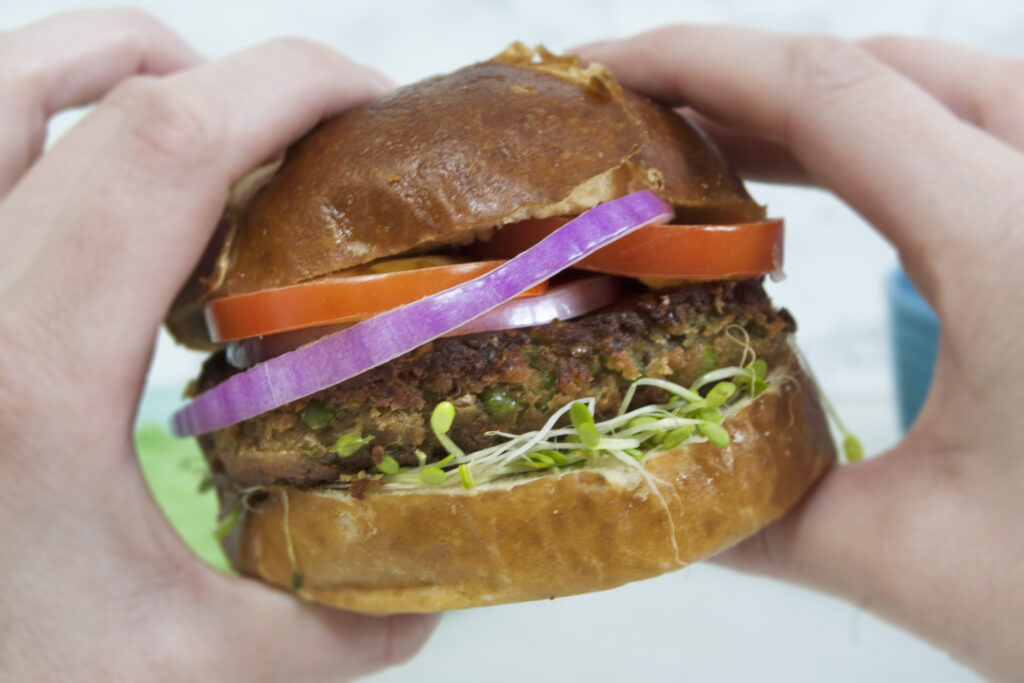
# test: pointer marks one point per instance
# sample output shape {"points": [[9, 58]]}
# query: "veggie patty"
{"points": [[509, 381]]}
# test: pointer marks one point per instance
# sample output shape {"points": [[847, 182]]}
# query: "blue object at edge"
{"points": [[914, 330]]}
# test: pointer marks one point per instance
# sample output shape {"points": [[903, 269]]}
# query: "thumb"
{"points": [[918, 536], [252, 632], [831, 539]]}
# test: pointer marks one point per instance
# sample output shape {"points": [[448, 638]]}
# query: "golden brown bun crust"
{"points": [[552, 536], [444, 159]]}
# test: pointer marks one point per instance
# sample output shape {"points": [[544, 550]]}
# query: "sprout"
{"points": [[466, 476], [540, 460], [681, 392], [853, 450], [388, 465], [628, 436], [347, 444], [640, 421], [715, 433], [441, 421], [655, 440], [720, 393], [676, 437], [556, 457], [710, 415], [754, 377], [583, 421], [432, 475], [735, 373], [442, 418]]}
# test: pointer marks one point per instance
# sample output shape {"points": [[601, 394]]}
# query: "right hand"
{"points": [[925, 140]]}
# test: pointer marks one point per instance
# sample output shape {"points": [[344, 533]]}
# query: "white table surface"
{"points": [[703, 623]]}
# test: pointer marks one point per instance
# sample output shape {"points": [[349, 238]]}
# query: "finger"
{"points": [[174, 614], [820, 541], [857, 127], [128, 198], [70, 60], [754, 156], [984, 89], [919, 536], [297, 640]]}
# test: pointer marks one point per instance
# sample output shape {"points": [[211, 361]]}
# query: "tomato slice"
{"points": [[693, 252], [335, 299], [561, 302]]}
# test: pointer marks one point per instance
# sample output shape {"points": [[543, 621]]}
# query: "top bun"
{"points": [[444, 161]]}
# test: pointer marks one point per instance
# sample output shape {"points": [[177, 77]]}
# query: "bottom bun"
{"points": [[544, 536]]}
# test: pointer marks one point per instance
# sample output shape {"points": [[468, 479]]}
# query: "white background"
{"points": [[703, 623]]}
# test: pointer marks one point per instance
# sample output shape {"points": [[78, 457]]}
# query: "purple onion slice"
{"points": [[384, 337]]}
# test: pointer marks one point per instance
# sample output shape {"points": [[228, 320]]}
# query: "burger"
{"points": [[496, 336]]}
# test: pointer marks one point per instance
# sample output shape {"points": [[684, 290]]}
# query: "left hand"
{"points": [[96, 235]]}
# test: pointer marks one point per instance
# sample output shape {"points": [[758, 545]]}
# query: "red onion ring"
{"points": [[562, 302], [376, 341]]}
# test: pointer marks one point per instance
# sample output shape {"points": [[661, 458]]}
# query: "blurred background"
{"points": [[703, 623]]}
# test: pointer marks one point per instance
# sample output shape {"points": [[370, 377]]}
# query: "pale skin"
{"points": [[99, 232], [925, 140]]}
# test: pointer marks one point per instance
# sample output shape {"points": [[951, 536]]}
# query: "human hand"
{"points": [[97, 234], [924, 139]]}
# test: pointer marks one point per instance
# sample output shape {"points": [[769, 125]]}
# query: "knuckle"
{"points": [[136, 25], [886, 45], [169, 124], [135, 18], [827, 65], [824, 71], [26, 60], [23, 90], [22, 80], [302, 48], [312, 59]]}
